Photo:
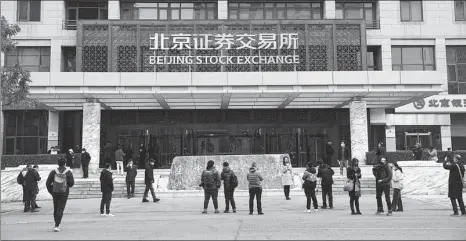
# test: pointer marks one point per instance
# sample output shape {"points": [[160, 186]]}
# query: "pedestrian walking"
{"points": [[58, 185], [85, 160], [287, 177], [397, 184], [309, 185], [343, 156], [20, 181], [354, 175], [211, 182], [119, 158], [149, 181], [329, 151], [106, 187], [131, 173], [383, 178], [69, 158], [455, 182], [36, 167], [230, 182], [255, 189], [326, 173]]}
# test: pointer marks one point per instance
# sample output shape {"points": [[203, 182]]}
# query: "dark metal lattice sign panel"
{"points": [[221, 46]]}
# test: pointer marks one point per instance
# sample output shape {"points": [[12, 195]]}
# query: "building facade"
{"points": [[227, 77]]}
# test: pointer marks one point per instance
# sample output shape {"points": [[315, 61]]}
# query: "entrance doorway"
{"points": [[411, 139]]}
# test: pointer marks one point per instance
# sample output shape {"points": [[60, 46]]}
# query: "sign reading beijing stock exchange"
{"points": [[263, 41]]}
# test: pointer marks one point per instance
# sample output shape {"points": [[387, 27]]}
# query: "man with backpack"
{"points": [[58, 185], [106, 187], [230, 182]]}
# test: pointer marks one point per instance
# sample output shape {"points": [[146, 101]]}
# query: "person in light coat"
{"points": [[397, 184], [287, 176]]}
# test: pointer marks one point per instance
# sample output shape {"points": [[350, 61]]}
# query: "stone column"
{"points": [[222, 9], [445, 133], [359, 132], [53, 128], [91, 133], [55, 56], [114, 9], [390, 138], [329, 9]]}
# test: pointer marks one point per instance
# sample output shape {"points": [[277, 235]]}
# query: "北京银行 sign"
{"points": [[262, 41], [436, 104]]}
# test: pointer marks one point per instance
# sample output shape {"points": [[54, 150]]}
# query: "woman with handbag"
{"points": [[397, 186], [353, 185], [309, 185], [287, 177]]}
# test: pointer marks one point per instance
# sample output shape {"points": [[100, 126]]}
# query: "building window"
{"points": [[420, 58], [169, 11], [279, 10], [460, 10], [69, 59], [456, 64], [33, 59], [411, 10], [29, 10], [374, 58], [84, 10], [26, 132]]}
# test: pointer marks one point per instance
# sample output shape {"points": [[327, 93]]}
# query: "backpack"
{"points": [[211, 180], [234, 181], [60, 184], [312, 177]]}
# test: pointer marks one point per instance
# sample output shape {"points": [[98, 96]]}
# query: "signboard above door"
{"points": [[436, 104]]}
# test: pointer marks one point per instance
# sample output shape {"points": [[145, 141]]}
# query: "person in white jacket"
{"points": [[397, 184]]}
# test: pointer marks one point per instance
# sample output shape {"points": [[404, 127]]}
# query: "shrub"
{"points": [[371, 157], [42, 159]]}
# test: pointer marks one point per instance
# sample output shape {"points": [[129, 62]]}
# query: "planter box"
{"points": [[42, 159]]}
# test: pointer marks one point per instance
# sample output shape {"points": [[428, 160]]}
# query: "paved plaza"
{"points": [[181, 218]]}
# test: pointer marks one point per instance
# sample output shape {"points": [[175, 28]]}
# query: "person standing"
{"points": [[30, 182], [343, 156], [354, 174], [106, 187], [119, 158], [326, 173], [455, 182], [417, 151], [131, 173], [380, 151], [69, 158], [210, 181], [149, 181], [287, 177], [255, 189], [58, 185], [432, 154], [230, 182], [85, 160], [329, 151], [52, 151], [142, 156], [108, 152], [36, 167], [383, 177], [397, 184], [20, 181], [309, 185]]}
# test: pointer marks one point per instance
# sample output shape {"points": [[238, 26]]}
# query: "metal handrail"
{"points": [[373, 24], [70, 24]]}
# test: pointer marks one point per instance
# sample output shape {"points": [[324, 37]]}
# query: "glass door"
{"points": [[411, 139]]}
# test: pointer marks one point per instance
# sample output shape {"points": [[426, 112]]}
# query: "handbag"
{"points": [[462, 177], [349, 186]]}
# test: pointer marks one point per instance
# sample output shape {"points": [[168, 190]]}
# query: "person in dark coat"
{"points": [[383, 177], [417, 151], [326, 173], [142, 156], [36, 167], [106, 187], [149, 181], [131, 173], [108, 152], [380, 151], [210, 181], [20, 181], [455, 182], [59, 198], [28, 179], [309, 185], [354, 174], [69, 158], [85, 160], [228, 176], [329, 151]]}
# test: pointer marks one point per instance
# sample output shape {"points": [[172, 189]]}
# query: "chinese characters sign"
{"points": [[436, 104], [263, 41]]}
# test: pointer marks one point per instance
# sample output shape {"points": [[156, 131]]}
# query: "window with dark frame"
{"points": [[29, 10], [411, 10], [460, 10], [456, 68], [169, 11], [413, 58], [33, 59], [356, 10], [278, 10], [374, 58]]}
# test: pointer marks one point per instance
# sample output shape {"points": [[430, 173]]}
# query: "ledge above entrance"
{"points": [[236, 90]]}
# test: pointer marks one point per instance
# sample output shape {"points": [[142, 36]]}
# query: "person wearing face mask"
{"points": [[455, 182], [383, 177], [149, 181], [343, 158], [131, 173], [287, 177], [85, 160]]}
